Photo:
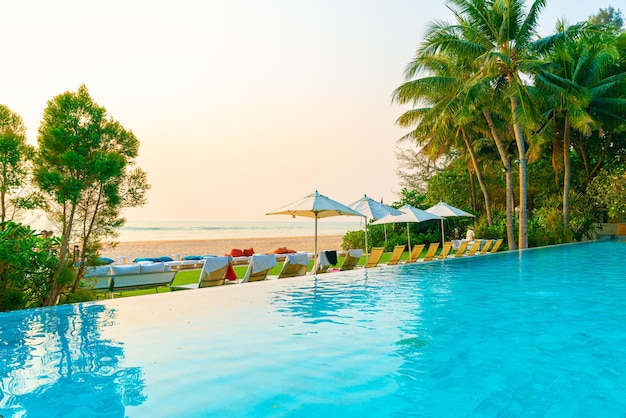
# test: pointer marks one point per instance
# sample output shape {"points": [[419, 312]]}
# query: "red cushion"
{"points": [[236, 252], [248, 252], [290, 251]]}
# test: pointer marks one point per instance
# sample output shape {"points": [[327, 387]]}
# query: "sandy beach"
{"points": [[219, 246]]}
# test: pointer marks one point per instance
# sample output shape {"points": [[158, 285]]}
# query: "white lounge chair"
{"points": [[260, 265], [325, 260], [213, 273], [351, 260], [295, 265]]}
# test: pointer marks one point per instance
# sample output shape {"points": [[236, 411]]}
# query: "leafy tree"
{"points": [[414, 168], [442, 124], [608, 189], [83, 162], [609, 17], [15, 156]]}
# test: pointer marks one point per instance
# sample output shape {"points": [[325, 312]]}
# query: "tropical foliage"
{"points": [[523, 124]]}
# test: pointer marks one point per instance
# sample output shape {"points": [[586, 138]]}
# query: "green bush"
{"points": [[80, 295], [27, 266], [12, 299], [545, 227], [353, 240], [496, 231]]}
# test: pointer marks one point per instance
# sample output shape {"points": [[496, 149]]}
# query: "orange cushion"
{"points": [[236, 252], [248, 252], [280, 250]]}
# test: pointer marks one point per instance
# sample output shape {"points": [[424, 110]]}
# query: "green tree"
{"points": [[608, 189], [497, 37], [83, 162], [575, 65], [15, 156], [443, 126], [609, 17]]}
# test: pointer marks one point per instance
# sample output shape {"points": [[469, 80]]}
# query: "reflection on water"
{"points": [[327, 298], [54, 361]]}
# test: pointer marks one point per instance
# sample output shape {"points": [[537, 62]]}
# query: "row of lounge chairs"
{"points": [[215, 271], [477, 247]]}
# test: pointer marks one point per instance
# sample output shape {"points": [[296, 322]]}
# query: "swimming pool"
{"points": [[535, 333]]}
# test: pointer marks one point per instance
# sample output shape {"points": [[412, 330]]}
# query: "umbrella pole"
{"points": [[385, 230], [366, 253], [315, 254], [442, 237], [408, 235]]}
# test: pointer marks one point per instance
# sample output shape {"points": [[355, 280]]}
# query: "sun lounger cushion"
{"points": [[153, 259], [284, 250], [153, 268], [98, 271], [193, 257], [126, 269], [248, 252], [106, 260]]}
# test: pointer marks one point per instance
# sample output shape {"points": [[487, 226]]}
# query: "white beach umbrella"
{"points": [[315, 206], [446, 211], [409, 214], [373, 210]]}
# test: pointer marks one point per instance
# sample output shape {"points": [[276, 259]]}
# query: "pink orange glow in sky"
{"points": [[241, 106]]}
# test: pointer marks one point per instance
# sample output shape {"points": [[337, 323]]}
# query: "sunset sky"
{"points": [[240, 106]]}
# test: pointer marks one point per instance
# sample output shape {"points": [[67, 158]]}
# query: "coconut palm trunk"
{"points": [[566, 170], [506, 163], [479, 176], [521, 149]]}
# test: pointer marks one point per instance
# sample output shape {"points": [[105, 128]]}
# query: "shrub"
{"points": [[545, 227], [354, 239], [80, 295], [27, 266]]}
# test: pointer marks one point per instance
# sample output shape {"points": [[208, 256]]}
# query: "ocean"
{"points": [[191, 230]]}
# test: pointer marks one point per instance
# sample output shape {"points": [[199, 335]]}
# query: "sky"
{"points": [[240, 106]]}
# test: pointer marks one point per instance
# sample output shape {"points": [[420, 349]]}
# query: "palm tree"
{"points": [[437, 125], [569, 98], [578, 73], [498, 36]]}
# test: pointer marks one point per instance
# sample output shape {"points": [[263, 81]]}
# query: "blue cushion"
{"points": [[192, 257], [153, 259], [106, 260]]}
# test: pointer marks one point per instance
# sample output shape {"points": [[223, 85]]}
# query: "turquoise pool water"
{"points": [[534, 333]]}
